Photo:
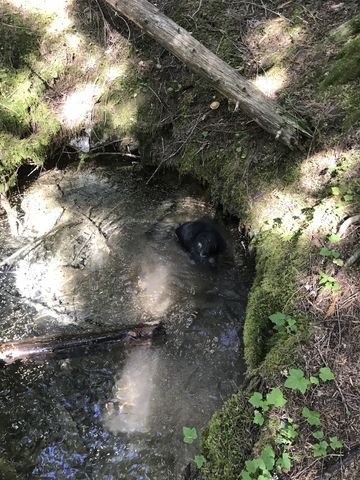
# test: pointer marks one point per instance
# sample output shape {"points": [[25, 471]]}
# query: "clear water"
{"points": [[111, 259]]}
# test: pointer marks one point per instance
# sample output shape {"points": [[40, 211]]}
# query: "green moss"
{"points": [[346, 68], [222, 170], [351, 103], [226, 441], [7, 471], [355, 24], [341, 85], [276, 282]]}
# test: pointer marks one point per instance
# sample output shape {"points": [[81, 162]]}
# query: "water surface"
{"points": [[109, 257]]}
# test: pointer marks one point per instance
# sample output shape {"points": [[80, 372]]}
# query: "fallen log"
{"points": [[81, 343], [250, 100]]}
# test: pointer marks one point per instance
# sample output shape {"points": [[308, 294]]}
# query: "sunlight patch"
{"points": [[57, 8], [316, 169], [79, 104], [271, 82], [282, 211], [154, 297], [114, 72], [129, 409]]}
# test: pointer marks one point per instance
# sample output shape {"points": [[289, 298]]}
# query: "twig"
{"points": [[197, 10], [352, 259], [298, 475], [264, 7], [23, 251], [343, 461], [176, 151], [346, 224]]}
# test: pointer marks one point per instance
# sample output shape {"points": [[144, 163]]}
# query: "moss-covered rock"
{"points": [[231, 426], [276, 282]]}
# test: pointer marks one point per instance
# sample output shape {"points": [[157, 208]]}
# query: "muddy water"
{"points": [[108, 257]]}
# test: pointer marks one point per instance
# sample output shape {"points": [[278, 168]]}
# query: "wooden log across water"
{"points": [[81, 343], [226, 80]]}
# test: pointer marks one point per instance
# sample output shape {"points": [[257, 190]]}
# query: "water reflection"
{"points": [[154, 296], [130, 407]]}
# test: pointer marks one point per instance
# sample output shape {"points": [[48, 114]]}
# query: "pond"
{"points": [[108, 257]]}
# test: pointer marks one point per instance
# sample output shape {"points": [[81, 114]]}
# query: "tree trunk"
{"points": [[264, 111], [67, 345]]}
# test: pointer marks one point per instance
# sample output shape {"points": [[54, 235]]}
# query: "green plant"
{"points": [[311, 416], [314, 380], [287, 433], [326, 374], [345, 193], [334, 238], [258, 418], [333, 254], [260, 468], [190, 434], [329, 282], [335, 443], [296, 380], [320, 449], [284, 461], [283, 323], [275, 397], [257, 401], [199, 460]]}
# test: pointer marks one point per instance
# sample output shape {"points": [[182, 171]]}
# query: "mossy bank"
{"points": [[67, 76]]}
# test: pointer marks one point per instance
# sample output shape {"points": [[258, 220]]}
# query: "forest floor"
{"points": [[78, 80]]}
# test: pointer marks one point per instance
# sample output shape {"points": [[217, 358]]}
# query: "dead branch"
{"points": [[263, 110]]}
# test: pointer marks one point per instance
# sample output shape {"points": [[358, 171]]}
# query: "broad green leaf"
{"points": [[279, 440], [333, 238], [335, 443], [335, 191], [296, 380], [199, 460], [326, 374], [291, 322], [325, 252], [268, 457], [325, 278], [258, 418], [278, 318], [338, 261], [291, 432], [312, 416], [314, 380], [319, 434], [246, 475], [348, 197], [284, 462], [291, 325], [256, 400], [260, 464], [335, 286], [190, 434], [251, 466], [276, 398], [335, 254], [320, 449]]}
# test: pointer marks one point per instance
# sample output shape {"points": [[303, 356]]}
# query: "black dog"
{"points": [[202, 240]]}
